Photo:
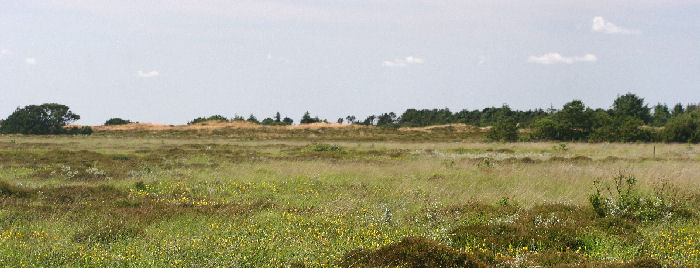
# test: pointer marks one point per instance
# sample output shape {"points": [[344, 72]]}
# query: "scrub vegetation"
{"points": [[343, 197]]}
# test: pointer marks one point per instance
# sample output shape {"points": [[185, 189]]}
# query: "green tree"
{"points": [[661, 115], [48, 118], [505, 130], [631, 105], [683, 128], [307, 119], [351, 119], [278, 117], [571, 123], [288, 121], [252, 119], [677, 110]]}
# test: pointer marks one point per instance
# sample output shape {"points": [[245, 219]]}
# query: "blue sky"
{"points": [[168, 61]]}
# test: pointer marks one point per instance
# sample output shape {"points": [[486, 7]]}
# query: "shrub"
{"points": [[621, 198], [12, 191], [211, 118], [116, 121], [683, 128], [324, 147], [85, 130], [505, 130]]}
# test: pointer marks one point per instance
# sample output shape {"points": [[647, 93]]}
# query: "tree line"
{"points": [[629, 119]]}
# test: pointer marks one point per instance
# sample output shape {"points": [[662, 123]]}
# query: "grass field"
{"points": [[214, 200]]}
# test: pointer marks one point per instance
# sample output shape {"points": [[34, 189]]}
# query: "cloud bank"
{"points": [[600, 25], [403, 62], [552, 58], [150, 74], [30, 61]]}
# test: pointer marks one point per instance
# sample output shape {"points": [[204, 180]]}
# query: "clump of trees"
{"points": [[276, 121], [47, 118], [210, 118], [307, 119], [117, 121]]}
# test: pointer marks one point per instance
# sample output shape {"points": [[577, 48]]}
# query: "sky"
{"points": [[169, 61]]}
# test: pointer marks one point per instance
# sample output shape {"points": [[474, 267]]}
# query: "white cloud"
{"points": [[602, 26], [552, 58], [30, 61], [482, 60], [403, 62], [148, 74], [5, 52]]}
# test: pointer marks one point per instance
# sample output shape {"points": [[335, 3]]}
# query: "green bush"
{"points": [[505, 130], [621, 198], [683, 128], [324, 147], [211, 118], [85, 130], [116, 121]]}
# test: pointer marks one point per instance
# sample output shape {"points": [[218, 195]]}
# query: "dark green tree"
{"points": [[631, 105], [677, 110], [351, 119], [505, 130], [48, 118], [661, 115], [288, 121], [683, 128], [252, 119], [386, 119], [307, 119]]}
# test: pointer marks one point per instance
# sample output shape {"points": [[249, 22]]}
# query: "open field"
{"points": [[234, 199]]}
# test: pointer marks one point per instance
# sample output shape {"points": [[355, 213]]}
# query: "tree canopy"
{"points": [[48, 118]]}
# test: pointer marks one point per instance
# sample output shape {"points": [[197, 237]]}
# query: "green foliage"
{"points": [[105, 234], [631, 105], [324, 147], [84, 130], [683, 128], [505, 130], [661, 115], [253, 119], [210, 118], [307, 119], [621, 198], [48, 118], [116, 121]]}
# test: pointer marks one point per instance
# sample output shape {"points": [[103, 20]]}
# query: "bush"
{"points": [[620, 198], [211, 118], [505, 130], [324, 147], [85, 130], [116, 121], [683, 128]]}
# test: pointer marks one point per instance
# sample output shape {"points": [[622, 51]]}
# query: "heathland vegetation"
{"points": [[420, 189], [212, 200]]}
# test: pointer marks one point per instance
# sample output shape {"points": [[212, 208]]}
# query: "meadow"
{"points": [[350, 199]]}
